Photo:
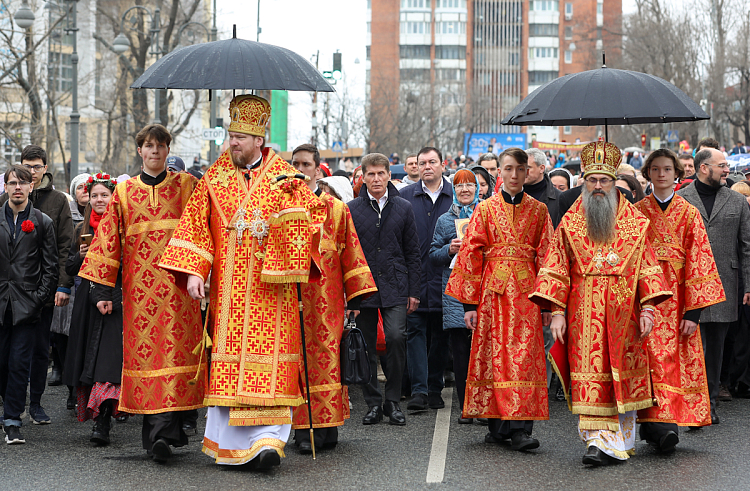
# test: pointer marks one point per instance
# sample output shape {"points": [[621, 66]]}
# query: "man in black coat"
{"points": [[387, 231], [539, 186], [28, 279], [430, 197]]}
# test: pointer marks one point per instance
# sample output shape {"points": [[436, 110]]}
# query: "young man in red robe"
{"points": [[678, 368], [494, 273]]}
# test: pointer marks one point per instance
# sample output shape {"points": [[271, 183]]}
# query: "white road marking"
{"points": [[436, 467]]}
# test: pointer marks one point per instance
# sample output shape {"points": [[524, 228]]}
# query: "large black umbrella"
{"points": [[605, 96], [233, 64]]}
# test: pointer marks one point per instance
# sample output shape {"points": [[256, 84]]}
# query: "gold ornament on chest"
{"points": [[611, 258], [258, 227]]}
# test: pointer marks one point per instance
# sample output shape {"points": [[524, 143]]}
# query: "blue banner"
{"points": [[475, 144]]}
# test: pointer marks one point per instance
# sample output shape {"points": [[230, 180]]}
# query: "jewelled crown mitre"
{"points": [[600, 158], [249, 115]]}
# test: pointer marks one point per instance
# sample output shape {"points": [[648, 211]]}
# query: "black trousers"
{"points": [[40, 357], [164, 425], [394, 327], [16, 347], [502, 429], [461, 346], [652, 432], [713, 335], [323, 436]]}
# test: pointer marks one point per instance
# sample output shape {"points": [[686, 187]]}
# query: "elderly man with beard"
{"points": [[602, 270]]}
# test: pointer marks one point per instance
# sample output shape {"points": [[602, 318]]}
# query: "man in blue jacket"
{"points": [[388, 235], [430, 197]]}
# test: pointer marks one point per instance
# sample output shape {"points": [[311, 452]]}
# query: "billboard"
{"points": [[475, 144]]}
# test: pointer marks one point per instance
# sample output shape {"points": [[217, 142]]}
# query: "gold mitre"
{"points": [[600, 158], [249, 114]]}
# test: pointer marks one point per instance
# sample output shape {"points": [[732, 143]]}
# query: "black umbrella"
{"points": [[605, 96], [233, 64]]}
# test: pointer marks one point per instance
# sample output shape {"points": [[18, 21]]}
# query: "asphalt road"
{"points": [[59, 456]]}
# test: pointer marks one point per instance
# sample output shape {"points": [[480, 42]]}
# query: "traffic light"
{"points": [[336, 66]]}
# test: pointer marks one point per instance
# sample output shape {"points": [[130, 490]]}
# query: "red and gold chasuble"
{"points": [[344, 274], [678, 370], [161, 323], [603, 287], [495, 269], [254, 236]]}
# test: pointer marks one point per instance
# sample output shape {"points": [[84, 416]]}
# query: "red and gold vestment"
{"points": [[252, 231], [678, 371], [161, 323], [344, 274], [603, 287], [495, 270]]}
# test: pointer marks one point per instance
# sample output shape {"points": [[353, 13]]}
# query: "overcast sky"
{"points": [[306, 26]]}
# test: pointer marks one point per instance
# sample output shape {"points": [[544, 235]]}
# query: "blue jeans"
{"points": [[16, 345], [426, 368]]}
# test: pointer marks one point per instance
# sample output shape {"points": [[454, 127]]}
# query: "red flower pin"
{"points": [[27, 226]]}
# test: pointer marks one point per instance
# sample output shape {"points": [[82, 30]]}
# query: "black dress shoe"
{"points": [[435, 401], [668, 442], [594, 456], [375, 416], [482, 421], [465, 421], [265, 460], [55, 378], [522, 441], [395, 416], [305, 448], [418, 402], [714, 417], [488, 438], [160, 450]]}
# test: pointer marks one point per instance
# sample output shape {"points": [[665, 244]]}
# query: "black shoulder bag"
{"points": [[355, 364]]}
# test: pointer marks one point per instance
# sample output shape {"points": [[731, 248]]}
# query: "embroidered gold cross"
{"points": [[299, 242], [240, 225], [599, 259], [222, 177]]}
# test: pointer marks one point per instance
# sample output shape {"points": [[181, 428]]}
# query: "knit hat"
{"points": [[77, 181]]}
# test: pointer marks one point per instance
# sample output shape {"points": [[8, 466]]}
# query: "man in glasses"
{"points": [[54, 204], [727, 220], [601, 269]]}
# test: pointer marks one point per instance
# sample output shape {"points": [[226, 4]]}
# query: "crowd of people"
{"points": [[617, 287]]}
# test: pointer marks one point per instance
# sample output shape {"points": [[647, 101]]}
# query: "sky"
{"points": [[305, 27]]}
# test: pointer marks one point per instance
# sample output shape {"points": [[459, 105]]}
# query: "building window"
{"points": [[415, 74], [568, 56], [367, 53], [513, 59], [600, 8], [415, 4], [508, 78], [542, 30], [60, 71], [568, 32], [541, 77], [542, 52], [568, 9], [451, 74], [414, 52], [542, 5], [454, 27], [451, 4], [368, 27], [450, 52], [415, 27], [567, 130]]}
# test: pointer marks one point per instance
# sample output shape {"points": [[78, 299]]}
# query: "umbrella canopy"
{"points": [[605, 96], [233, 64]]}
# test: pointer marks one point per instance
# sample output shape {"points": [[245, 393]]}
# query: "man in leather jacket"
{"points": [[29, 250]]}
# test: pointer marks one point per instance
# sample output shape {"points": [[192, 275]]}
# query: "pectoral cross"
{"points": [[240, 225], [599, 259]]}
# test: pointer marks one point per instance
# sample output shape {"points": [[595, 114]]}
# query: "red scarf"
{"points": [[94, 219]]}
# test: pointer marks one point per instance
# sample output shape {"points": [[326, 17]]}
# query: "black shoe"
{"points": [[38, 416], [13, 435], [668, 442], [488, 438], [594, 456], [70, 404], [482, 421], [190, 428], [122, 418], [305, 448], [418, 402], [265, 460], [522, 441], [55, 378], [100, 434], [465, 421], [394, 413], [714, 417], [435, 401], [375, 416], [449, 378], [161, 451]]}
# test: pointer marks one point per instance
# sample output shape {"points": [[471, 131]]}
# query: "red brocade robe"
{"points": [[344, 274], [603, 287], [678, 370], [161, 323], [495, 269], [253, 308]]}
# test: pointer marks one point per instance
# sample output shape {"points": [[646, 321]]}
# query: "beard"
{"points": [[600, 210], [712, 181]]}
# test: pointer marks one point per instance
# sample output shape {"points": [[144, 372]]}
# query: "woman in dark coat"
{"points": [[93, 363]]}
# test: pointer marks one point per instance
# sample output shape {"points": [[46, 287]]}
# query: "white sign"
{"points": [[213, 133]]}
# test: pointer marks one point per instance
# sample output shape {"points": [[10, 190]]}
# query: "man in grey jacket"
{"points": [[727, 219]]}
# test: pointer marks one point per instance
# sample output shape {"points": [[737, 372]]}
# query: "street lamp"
{"points": [[121, 44], [24, 16]]}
